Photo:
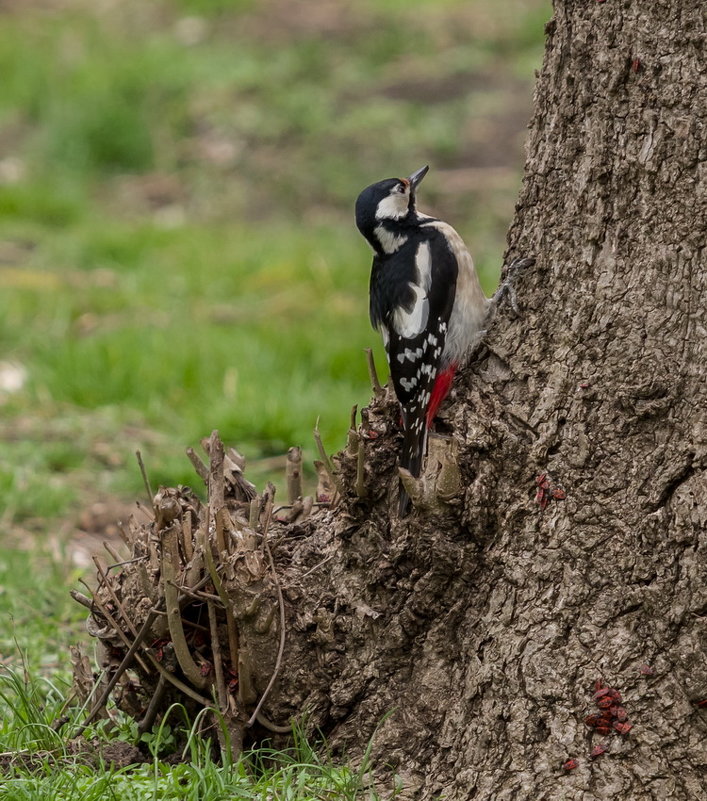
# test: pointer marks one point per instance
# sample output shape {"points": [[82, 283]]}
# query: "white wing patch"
{"points": [[423, 262], [411, 355], [409, 324]]}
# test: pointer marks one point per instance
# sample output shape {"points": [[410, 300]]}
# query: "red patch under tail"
{"points": [[440, 390]]}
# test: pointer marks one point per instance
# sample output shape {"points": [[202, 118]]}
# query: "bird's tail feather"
{"points": [[412, 453]]}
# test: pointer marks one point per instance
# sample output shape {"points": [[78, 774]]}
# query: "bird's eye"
{"points": [[402, 189]]}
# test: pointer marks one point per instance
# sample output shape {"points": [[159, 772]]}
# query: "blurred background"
{"points": [[177, 247]]}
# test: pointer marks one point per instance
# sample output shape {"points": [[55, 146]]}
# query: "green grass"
{"points": [[39, 617], [287, 776], [42, 763]]}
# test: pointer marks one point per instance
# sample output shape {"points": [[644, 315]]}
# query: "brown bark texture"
{"points": [[475, 637]]}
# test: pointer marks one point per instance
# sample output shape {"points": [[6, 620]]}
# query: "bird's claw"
{"points": [[506, 289]]}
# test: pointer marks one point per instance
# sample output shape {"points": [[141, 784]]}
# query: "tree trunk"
{"points": [[486, 629], [572, 561]]}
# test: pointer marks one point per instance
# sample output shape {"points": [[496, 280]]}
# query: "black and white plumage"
{"points": [[426, 301]]}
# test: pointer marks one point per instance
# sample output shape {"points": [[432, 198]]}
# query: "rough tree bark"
{"points": [[483, 625]]}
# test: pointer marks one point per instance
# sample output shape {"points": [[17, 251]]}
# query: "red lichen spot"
{"points": [[605, 702], [598, 750], [646, 670], [604, 729], [558, 494], [571, 764], [615, 694], [635, 64], [601, 693], [701, 704], [621, 714], [593, 720], [623, 728], [205, 668]]}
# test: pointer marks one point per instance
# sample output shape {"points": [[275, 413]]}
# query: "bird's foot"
{"points": [[506, 289]]}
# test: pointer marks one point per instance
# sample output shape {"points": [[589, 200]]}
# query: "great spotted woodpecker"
{"points": [[426, 301]]}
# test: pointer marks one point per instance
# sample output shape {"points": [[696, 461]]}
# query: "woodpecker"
{"points": [[426, 301]]}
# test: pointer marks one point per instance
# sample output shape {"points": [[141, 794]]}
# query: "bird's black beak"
{"points": [[417, 177]]}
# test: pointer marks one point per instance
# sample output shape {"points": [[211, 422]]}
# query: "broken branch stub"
{"points": [[440, 482], [195, 615], [294, 474]]}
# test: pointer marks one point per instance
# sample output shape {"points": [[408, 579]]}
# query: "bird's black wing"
{"points": [[411, 302]]}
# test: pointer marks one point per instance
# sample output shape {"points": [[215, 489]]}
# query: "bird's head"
{"points": [[387, 205]]}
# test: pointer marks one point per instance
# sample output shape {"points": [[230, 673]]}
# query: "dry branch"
{"points": [[373, 373], [145, 479], [326, 461], [294, 474]]}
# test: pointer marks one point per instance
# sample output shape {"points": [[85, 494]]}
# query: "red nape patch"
{"points": [[440, 390]]}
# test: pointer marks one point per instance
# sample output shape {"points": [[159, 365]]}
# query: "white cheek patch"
{"points": [[409, 324], [392, 207], [389, 242]]}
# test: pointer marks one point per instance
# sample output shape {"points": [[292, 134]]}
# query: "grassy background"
{"points": [[178, 254]]}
